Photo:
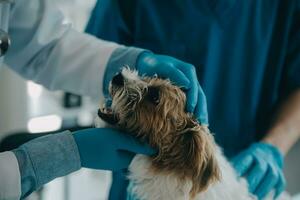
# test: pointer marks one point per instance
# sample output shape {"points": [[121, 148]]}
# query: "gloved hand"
{"points": [[261, 164], [180, 73], [108, 149]]}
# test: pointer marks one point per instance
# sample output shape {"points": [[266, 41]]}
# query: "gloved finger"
{"points": [[281, 184], [242, 162], [268, 183], [201, 107], [169, 71], [192, 94], [256, 174], [131, 144]]}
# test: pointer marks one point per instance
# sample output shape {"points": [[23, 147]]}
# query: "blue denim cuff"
{"points": [[122, 56], [46, 158]]}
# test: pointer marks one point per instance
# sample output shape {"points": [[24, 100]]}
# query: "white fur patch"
{"points": [[147, 185], [130, 74]]}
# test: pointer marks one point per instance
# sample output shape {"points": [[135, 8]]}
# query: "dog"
{"points": [[189, 164]]}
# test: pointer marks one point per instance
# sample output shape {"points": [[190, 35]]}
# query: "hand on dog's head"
{"points": [[153, 110]]}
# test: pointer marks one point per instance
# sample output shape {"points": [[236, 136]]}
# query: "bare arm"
{"points": [[286, 130]]}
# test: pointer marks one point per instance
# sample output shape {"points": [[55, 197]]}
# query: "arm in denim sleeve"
{"points": [[122, 56], [46, 158]]}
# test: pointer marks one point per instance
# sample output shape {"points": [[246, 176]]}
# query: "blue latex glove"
{"points": [[108, 149], [180, 73], [261, 164]]}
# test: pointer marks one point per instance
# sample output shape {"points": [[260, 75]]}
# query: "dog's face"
{"points": [[153, 110], [148, 108]]}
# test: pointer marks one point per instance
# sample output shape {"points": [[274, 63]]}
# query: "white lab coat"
{"points": [[45, 48]]}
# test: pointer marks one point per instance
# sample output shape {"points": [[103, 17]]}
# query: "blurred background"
{"points": [[26, 107]]}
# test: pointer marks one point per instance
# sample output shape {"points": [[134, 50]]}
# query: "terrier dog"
{"points": [[189, 164]]}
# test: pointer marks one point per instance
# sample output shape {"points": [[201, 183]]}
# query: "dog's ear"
{"points": [[108, 117], [200, 154]]}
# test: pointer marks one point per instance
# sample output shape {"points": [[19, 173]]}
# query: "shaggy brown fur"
{"points": [[153, 110]]}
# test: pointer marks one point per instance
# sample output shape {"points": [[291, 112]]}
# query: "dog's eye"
{"points": [[153, 95]]}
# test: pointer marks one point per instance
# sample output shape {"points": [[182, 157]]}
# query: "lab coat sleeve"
{"points": [[46, 158], [46, 49], [10, 181]]}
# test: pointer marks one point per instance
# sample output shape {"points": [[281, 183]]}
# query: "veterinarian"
{"points": [[247, 58], [37, 43]]}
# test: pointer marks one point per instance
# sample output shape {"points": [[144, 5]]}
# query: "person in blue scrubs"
{"points": [[247, 58]]}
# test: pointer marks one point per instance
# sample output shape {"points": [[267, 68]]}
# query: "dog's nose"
{"points": [[118, 80]]}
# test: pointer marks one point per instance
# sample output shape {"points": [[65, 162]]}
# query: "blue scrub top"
{"points": [[247, 53]]}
